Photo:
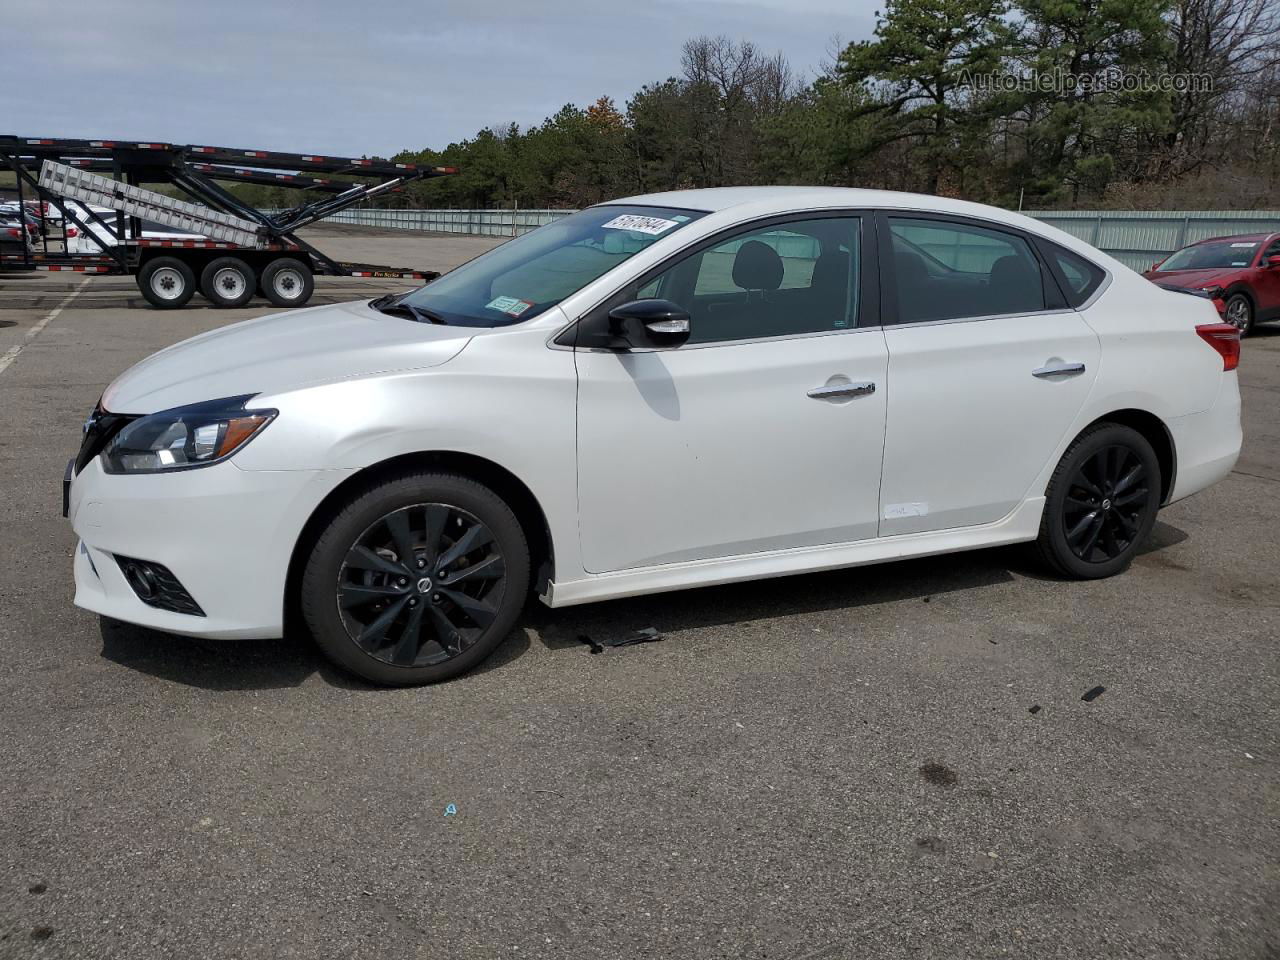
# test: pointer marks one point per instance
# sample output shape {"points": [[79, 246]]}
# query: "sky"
{"points": [[363, 76]]}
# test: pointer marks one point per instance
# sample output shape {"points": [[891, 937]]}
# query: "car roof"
{"points": [[783, 199]]}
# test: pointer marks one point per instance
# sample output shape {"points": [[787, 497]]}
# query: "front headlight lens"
{"points": [[185, 437]]}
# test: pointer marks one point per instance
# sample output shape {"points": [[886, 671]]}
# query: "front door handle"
{"points": [[1059, 370], [842, 391]]}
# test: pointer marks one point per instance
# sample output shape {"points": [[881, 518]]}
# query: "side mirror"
{"points": [[1273, 262], [648, 323], [1156, 265]]}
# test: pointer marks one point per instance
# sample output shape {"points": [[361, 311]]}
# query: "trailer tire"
{"points": [[287, 282], [228, 282], [167, 282]]}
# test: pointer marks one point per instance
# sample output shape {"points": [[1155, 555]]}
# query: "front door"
{"points": [[763, 432]]}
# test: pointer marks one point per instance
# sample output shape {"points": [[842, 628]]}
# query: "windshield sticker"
{"points": [[1246, 246], [650, 225], [511, 306]]}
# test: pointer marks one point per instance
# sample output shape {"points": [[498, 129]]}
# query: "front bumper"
{"points": [[226, 534]]}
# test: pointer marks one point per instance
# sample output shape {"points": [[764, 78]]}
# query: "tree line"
{"points": [[1179, 107]]}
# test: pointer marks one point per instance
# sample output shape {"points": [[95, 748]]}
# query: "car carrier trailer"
{"points": [[235, 249]]}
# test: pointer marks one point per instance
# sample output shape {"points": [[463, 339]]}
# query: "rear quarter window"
{"points": [[1080, 277]]}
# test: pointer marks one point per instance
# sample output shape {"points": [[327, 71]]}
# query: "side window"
{"points": [[781, 280], [1272, 251], [1082, 276], [947, 271]]}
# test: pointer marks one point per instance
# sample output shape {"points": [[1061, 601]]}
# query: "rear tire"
{"points": [[1101, 503], [227, 282], [416, 579], [287, 282], [167, 282]]}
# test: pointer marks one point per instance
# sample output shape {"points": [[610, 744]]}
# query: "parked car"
{"points": [[667, 391], [85, 234], [1240, 274], [14, 238], [12, 211]]}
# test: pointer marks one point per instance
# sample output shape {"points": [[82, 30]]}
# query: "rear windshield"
{"points": [[530, 274], [1212, 256]]}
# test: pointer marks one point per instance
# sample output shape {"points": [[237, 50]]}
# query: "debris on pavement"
{"points": [[595, 647], [1093, 694], [1035, 708], [647, 635]]}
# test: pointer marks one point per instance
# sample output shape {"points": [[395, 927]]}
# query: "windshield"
{"points": [[530, 274], [1212, 256]]}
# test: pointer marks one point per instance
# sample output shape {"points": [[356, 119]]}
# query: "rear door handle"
{"points": [[842, 391], [1059, 370]]}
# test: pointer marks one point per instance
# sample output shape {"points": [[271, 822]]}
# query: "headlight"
{"points": [[1213, 293], [185, 437]]}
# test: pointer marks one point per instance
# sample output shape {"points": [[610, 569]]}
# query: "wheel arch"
{"points": [[528, 511], [1155, 432]]}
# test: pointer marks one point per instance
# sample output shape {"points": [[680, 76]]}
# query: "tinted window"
{"points": [[534, 272], [944, 271], [1219, 254], [781, 280], [1081, 276]]}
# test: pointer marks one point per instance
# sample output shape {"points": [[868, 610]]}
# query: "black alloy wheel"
{"points": [[1104, 505], [421, 585], [415, 578], [1101, 503]]}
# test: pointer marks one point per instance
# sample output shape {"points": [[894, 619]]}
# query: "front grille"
{"points": [[102, 426], [156, 586]]}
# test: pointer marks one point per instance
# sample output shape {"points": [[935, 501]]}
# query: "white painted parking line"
{"points": [[11, 354]]}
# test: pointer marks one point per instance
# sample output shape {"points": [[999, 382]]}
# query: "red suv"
{"points": [[1240, 274]]}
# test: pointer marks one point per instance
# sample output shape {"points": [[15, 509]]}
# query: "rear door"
{"points": [[1266, 283], [988, 368]]}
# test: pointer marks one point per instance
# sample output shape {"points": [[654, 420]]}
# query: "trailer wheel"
{"points": [[227, 282], [287, 282], [167, 282]]}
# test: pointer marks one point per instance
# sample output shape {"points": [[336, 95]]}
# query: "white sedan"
{"points": [[663, 392]]}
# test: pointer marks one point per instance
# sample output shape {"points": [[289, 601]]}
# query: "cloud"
{"points": [[372, 77]]}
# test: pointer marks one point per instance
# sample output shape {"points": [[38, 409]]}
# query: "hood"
{"points": [[1194, 279], [280, 352]]}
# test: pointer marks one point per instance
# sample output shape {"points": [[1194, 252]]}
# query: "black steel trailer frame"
{"points": [[195, 171]]}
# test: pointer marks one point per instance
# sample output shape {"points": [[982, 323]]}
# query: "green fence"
{"points": [[1137, 238]]}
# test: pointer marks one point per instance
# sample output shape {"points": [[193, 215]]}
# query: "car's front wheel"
{"points": [[1101, 503], [1239, 313], [416, 579]]}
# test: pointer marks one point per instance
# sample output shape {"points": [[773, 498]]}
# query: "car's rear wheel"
{"points": [[416, 579], [1101, 503], [1239, 313]]}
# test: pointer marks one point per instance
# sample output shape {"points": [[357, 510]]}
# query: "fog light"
{"points": [[156, 586]]}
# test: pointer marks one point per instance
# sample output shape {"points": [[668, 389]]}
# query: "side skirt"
{"points": [[1020, 526]]}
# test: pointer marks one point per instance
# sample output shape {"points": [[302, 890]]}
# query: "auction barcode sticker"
{"points": [[629, 221]]}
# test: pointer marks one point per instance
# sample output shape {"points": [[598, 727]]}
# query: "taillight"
{"points": [[1225, 338], [72, 232], [13, 232]]}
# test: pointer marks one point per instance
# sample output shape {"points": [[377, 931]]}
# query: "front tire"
{"points": [[1101, 503], [1239, 313], [416, 579]]}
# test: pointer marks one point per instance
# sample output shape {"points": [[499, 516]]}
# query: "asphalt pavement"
{"points": [[891, 761]]}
